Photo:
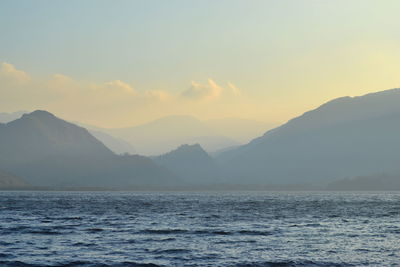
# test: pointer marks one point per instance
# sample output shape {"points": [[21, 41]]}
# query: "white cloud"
{"points": [[210, 90], [235, 90], [10, 74], [112, 103], [158, 94], [121, 86]]}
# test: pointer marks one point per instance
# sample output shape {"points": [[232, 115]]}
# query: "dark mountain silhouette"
{"points": [[48, 151], [8, 180], [116, 145], [346, 137], [191, 163]]}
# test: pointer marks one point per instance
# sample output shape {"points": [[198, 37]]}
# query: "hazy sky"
{"points": [[116, 63]]}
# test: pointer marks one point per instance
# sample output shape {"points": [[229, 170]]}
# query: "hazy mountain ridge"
{"points": [[165, 134], [343, 138], [117, 145], [41, 134], [48, 151], [192, 164]]}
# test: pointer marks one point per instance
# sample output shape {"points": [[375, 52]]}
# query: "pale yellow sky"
{"points": [[262, 60]]}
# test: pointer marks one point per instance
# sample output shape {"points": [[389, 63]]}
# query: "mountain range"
{"points": [[346, 137], [47, 151], [349, 142], [167, 133], [163, 135]]}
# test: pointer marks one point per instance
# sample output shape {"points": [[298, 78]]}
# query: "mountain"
{"points": [[8, 180], [48, 151], [40, 134], [163, 135], [191, 163], [7, 117], [241, 130], [346, 137], [115, 144]]}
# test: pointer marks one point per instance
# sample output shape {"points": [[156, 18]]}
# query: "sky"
{"points": [[121, 63]]}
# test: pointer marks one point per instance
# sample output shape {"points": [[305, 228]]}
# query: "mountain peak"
{"points": [[187, 149], [39, 114], [191, 163]]}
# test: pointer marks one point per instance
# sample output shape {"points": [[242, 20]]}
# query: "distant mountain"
{"points": [[165, 134], [346, 137], [241, 130], [117, 145], [191, 163], [7, 117], [8, 180], [48, 151]]}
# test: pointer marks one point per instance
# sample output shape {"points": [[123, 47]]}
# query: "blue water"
{"points": [[199, 229]]}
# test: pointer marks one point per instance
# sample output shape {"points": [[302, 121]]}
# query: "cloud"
{"points": [[114, 103], [121, 86], [158, 94], [209, 91], [235, 91], [10, 74]]}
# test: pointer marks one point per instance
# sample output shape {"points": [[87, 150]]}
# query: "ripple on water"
{"points": [[199, 229]]}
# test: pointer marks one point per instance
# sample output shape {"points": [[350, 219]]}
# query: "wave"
{"points": [[292, 264], [206, 232], [77, 264]]}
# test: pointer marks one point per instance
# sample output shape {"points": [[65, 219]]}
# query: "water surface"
{"points": [[199, 229]]}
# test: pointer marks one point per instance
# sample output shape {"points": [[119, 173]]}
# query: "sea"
{"points": [[199, 228]]}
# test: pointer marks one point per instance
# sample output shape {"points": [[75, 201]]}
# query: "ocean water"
{"points": [[199, 229]]}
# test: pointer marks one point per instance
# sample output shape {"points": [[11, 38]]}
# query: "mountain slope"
{"points": [[191, 163], [346, 137], [118, 146], [48, 151], [41, 134]]}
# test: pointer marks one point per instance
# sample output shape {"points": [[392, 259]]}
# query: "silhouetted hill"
{"points": [[346, 137], [167, 133], [48, 151], [40, 134], [8, 180], [191, 163]]}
